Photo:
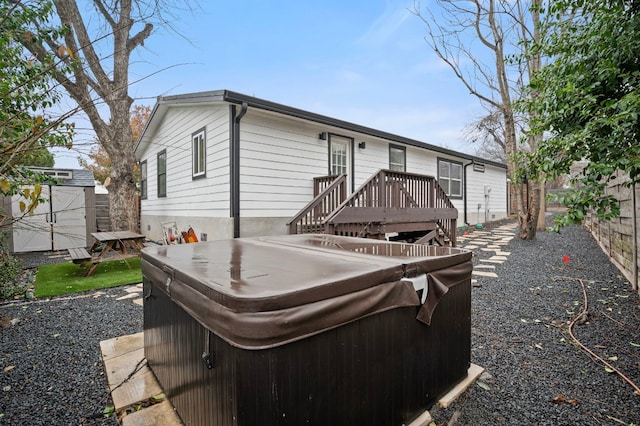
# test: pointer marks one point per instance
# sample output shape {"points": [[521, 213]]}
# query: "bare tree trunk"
{"points": [[492, 23], [94, 83]]}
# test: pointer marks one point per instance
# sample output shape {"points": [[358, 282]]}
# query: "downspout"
{"points": [[234, 166], [464, 176]]}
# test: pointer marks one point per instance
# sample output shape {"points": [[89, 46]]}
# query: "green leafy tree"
{"points": [[27, 128], [588, 103], [27, 97]]}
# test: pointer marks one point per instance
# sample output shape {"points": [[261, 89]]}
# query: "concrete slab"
{"points": [[132, 289], [484, 274], [138, 301], [500, 262], [472, 374], [157, 414], [502, 258], [423, 420], [497, 251], [481, 266], [470, 247], [121, 356], [120, 345], [129, 296]]}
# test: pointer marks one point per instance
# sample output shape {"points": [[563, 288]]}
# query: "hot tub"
{"points": [[306, 329]]}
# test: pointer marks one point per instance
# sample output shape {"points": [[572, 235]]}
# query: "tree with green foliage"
{"points": [[588, 103], [28, 94]]}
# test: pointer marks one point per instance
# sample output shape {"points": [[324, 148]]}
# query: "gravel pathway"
{"points": [[51, 371]]}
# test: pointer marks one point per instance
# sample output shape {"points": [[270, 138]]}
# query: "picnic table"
{"points": [[119, 244]]}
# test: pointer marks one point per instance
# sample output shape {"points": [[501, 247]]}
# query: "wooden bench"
{"points": [[79, 255]]}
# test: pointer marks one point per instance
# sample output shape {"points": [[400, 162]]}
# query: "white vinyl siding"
{"points": [[205, 197], [279, 159]]}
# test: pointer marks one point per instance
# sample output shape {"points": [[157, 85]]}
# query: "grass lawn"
{"points": [[65, 278]]}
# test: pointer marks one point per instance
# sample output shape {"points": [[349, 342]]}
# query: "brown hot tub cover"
{"points": [[257, 293]]}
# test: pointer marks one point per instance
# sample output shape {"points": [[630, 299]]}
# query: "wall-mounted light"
{"points": [[362, 145], [322, 136]]}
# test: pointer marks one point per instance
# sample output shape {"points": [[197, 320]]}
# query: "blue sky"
{"points": [[363, 61]]}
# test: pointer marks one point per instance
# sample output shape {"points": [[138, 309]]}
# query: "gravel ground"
{"points": [[534, 374], [52, 373]]}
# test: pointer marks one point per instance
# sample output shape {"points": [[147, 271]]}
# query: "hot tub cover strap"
{"points": [[438, 283]]}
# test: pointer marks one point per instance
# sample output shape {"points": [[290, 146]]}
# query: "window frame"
{"points": [[144, 183], [404, 157], [162, 176], [199, 136], [449, 178]]}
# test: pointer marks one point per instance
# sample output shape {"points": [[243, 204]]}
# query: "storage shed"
{"points": [[306, 329], [64, 220]]}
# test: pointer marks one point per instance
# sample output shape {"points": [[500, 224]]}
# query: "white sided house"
{"points": [[231, 165]]}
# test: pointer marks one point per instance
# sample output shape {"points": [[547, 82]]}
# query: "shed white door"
{"points": [[58, 223], [32, 232], [68, 214]]}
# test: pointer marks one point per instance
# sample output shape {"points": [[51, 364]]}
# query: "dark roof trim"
{"points": [[239, 98]]}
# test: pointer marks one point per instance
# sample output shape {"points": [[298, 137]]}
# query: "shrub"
{"points": [[10, 272]]}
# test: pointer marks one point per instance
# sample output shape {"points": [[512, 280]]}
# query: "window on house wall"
{"points": [[397, 158], [143, 180], [450, 177], [199, 152], [162, 174]]}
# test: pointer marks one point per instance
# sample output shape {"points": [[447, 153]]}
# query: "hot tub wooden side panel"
{"points": [[380, 370]]}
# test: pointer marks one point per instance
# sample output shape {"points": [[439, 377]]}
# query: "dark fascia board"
{"points": [[239, 98]]}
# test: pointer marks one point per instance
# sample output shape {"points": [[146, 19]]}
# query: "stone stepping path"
{"points": [[132, 292], [490, 243]]}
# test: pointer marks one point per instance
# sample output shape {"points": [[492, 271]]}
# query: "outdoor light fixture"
{"points": [[362, 145], [322, 136]]}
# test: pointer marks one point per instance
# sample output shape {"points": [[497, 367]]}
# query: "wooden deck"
{"points": [[410, 206]]}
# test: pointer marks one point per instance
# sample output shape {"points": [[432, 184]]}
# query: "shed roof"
{"points": [[164, 102], [69, 177]]}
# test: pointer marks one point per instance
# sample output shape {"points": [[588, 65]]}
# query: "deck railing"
{"points": [[388, 191], [330, 192]]}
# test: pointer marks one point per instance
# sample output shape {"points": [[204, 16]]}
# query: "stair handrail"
{"points": [[317, 201]]}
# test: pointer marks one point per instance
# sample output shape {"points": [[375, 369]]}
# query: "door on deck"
{"points": [[341, 158]]}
